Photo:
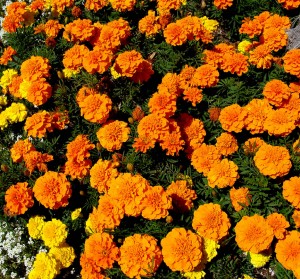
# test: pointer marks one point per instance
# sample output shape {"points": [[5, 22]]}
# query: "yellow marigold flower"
{"points": [[24, 87], [3, 120], [17, 112], [114, 73], [197, 273], [35, 226], [3, 100], [44, 267], [210, 24], [76, 213], [64, 254], [243, 46], [210, 249], [54, 233], [260, 259], [68, 73], [7, 77]]}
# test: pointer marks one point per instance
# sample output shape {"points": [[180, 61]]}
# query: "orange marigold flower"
{"points": [[211, 222], [35, 159], [281, 122], [38, 124], [7, 55], [239, 198], [227, 144], [140, 256], [205, 76], [223, 4], [121, 28], [232, 118], [83, 92], [19, 149], [101, 249], [143, 143], [107, 215], [291, 62], [186, 76], [97, 61], [274, 38], [79, 30], [257, 112], [289, 5], [291, 191], [14, 87], [252, 145], [52, 190], [38, 92], [193, 94], [138, 114], [102, 173], [18, 198], [155, 203], [204, 157], [288, 251], [273, 161], [222, 174], [89, 268], [279, 224], [235, 63], [149, 25], [108, 39], [277, 21], [292, 104], [182, 250], [253, 234], [35, 68], [128, 190], [296, 218], [175, 34], [153, 126], [182, 196], [122, 6], [59, 120], [172, 142], [73, 57], [95, 5], [77, 169], [251, 27], [78, 149], [261, 57], [170, 83], [96, 108], [143, 72], [51, 28], [276, 91], [60, 5], [214, 113], [113, 134], [214, 57]]}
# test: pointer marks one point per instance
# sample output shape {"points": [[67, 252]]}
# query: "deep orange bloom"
{"points": [[273, 161], [35, 159], [51, 28], [182, 196], [60, 5], [214, 57], [274, 38], [38, 124], [289, 4], [232, 118], [83, 92], [34, 68], [79, 30], [140, 256], [205, 76], [222, 174], [18, 198], [122, 6], [19, 149], [239, 198], [227, 144], [172, 142], [52, 190], [108, 38], [193, 94], [14, 87], [235, 63], [101, 249], [251, 27], [288, 251], [279, 224], [276, 91], [253, 234], [252, 145], [95, 5], [78, 149], [73, 57], [7, 55], [97, 61], [143, 143], [89, 268], [170, 83], [291, 62], [261, 57], [77, 169], [38, 92], [211, 222], [149, 24], [185, 76], [277, 21], [182, 250], [175, 34], [291, 191], [223, 4]]}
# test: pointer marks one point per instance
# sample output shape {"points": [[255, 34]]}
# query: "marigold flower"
{"points": [[35, 226], [122, 6], [73, 57], [60, 5], [7, 55], [46, 265], [240, 198], [193, 94], [95, 5], [38, 92], [138, 114], [214, 113], [277, 21], [289, 4], [279, 224], [143, 143], [172, 142], [149, 24], [38, 124], [79, 30], [243, 46], [64, 254], [211, 222], [96, 108], [182, 250], [54, 233], [7, 78], [232, 118], [251, 27], [261, 57], [276, 91], [223, 4], [273, 161], [182, 196], [291, 191], [175, 34], [19, 149], [163, 103], [52, 190], [78, 149], [14, 87], [89, 268], [288, 251], [252, 145], [35, 68], [51, 28], [113, 134], [108, 39], [35, 159], [205, 76], [274, 38], [204, 157], [235, 63], [18, 198], [185, 76], [140, 256], [214, 57], [97, 61], [260, 259], [227, 144], [170, 83], [128, 190], [290, 62], [222, 174], [253, 234]]}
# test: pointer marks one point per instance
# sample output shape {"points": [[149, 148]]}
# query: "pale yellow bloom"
{"points": [[243, 45], [68, 73], [76, 213], [210, 24], [114, 73], [6, 78], [259, 260]]}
